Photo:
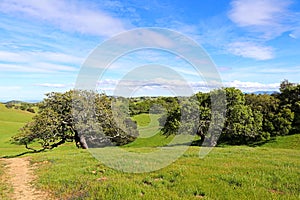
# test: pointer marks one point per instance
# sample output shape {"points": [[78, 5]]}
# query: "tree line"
{"points": [[89, 119], [19, 105], [249, 117]]}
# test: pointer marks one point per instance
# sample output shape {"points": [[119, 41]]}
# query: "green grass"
{"points": [[11, 121], [4, 187], [238, 172], [270, 171], [150, 134], [284, 142], [226, 173]]}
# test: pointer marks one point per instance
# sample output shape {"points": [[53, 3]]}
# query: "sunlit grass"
{"points": [[226, 173], [150, 134], [237, 172], [11, 120], [271, 171], [289, 141]]}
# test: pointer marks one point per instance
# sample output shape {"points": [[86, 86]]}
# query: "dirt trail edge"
{"points": [[19, 175]]}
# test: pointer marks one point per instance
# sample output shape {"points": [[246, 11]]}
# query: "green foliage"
{"points": [[154, 105], [81, 116], [242, 125], [21, 105], [249, 118], [290, 98], [277, 119], [267, 172]]}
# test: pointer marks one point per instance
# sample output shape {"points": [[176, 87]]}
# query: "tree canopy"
{"points": [[249, 117], [81, 116], [88, 119]]}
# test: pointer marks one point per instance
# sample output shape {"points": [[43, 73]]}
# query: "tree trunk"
{"points": [[83, 143], [80, 141], [202, 139], [201, 133]]}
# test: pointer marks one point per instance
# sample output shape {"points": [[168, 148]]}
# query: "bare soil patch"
{"points": [[19, 175]]}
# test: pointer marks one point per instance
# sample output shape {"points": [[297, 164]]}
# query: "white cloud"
{"points": [[8, 56], [296, 32], [54, 67], [252, 86], [54, 85], [120, 86], [110, 85], [9, 88], [241, 84], [270, 17], [244, 86], [38, 62], [107, 82], [251, 50], [38, 67], [70, 16], [258, 12]]}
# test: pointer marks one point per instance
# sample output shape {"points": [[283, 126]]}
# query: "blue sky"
{"points": [[253, 43]]}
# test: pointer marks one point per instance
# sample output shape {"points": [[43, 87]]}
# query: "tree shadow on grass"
{"points": [[261, 143], [24, 153]]}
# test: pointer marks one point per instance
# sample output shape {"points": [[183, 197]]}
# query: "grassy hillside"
{"points": [[285, 142], [226, 173], [149, 129], [11, 121], [270, 171]]}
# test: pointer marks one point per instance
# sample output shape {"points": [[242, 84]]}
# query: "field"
{"points": [[10, 121], [270, 171]]}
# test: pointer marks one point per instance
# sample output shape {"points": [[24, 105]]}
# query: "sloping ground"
{"points": [[16, 173], [150, 134], [11, 121], [284, 142], [267, 172], [270, 171]]}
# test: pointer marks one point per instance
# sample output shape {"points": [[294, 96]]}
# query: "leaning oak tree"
{"points": [[84, 117]]}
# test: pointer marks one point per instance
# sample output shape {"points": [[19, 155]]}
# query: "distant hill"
{"points": [[263, 92], [19, 102], [13, 102]]}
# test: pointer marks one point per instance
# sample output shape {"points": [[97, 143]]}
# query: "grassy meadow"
{"points": [[269, 171], [10, 121]]}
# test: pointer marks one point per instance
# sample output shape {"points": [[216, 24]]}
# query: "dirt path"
{"points": [[19, 175]]}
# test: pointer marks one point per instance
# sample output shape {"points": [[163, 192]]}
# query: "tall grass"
{"points": [[226, 173], [239, 172]]}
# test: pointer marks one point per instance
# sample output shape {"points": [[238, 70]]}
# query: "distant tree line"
{"points": [[249, 117], [88, 118], [19, 105]]}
